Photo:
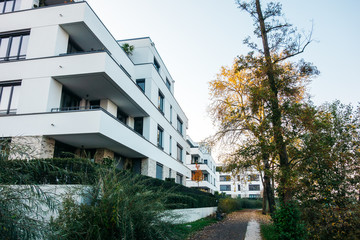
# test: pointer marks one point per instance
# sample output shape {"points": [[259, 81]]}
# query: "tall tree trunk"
{"points": [[268, 190], [264, 201], [285, 193]]}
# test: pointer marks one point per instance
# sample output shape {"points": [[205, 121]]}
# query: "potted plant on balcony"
{"points": [[128, 49]]}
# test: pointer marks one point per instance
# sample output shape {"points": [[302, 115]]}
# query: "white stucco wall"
{"points": [[191, 214]]}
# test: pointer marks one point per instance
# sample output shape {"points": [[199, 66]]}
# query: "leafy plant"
{"points": [[23, 208], [128, 49], [118, 206], [287, 222]]}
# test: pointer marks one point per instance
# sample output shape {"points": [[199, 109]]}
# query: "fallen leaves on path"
{"points": [[232, 227]]}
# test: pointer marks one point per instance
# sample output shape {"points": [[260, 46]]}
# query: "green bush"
{"points": [[249, 203], [228, 205], [48, 171], [119, 206], [268, 231], [287, 222]]}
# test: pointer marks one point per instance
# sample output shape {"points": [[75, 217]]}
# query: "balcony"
{"points": [[90, 128]]}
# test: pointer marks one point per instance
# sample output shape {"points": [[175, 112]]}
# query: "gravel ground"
{"points": [[233, 227]]}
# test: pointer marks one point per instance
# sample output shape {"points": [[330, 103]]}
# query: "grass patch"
{"points": [[268, 231], [198, 225]]}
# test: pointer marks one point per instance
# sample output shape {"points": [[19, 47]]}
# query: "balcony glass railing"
{"points": [[77, 108]]}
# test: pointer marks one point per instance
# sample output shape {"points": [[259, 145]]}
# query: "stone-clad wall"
{"points": [[148, 167], [31, 147]]}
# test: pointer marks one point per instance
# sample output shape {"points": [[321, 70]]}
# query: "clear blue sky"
{"points": [[196, 37]]}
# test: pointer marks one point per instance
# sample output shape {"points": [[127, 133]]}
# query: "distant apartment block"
{"points": [[67, 87], [200, 159], [246, 184]]}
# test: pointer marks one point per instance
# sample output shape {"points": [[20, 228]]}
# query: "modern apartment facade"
{"points": [[200, 159], [67, 86], [246, 184]]}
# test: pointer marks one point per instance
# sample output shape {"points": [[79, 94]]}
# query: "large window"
{"points": [[9, 5], [160, 135], [141, 84], [13, 46], [69, 101], [180, 125], [138, 125], [179, 153], [161, 102], [225, 187], [159, 171], [9, 96], [179, 178], [121, 116], [254, 187]]}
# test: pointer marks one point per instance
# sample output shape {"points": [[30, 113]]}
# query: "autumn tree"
{"points": [[241, 108], [197, 175]]}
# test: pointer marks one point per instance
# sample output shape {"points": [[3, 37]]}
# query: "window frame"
{"points": [[10, 36], [179, 154], [228, 188], [141, 81], [160, 137], [168, 84], [138, 120], [156, 64], [254, 187], [12, 8], [179, 125], [161, 102], [158, 166], [10, 99]]}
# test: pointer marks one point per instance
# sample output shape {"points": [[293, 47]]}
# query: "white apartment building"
{"points": [[200, 155], [67, 86], [246, 184]]}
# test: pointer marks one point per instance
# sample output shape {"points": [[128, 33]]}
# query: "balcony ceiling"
{"points": [[96, 140], [98, 86], [82, 36]]}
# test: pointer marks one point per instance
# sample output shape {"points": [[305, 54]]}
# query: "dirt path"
{"points": [[232, 228]]}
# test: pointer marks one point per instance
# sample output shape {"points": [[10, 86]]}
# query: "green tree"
{"points": [[329, 183]]}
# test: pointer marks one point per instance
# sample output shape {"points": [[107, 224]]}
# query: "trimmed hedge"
{"points": [[83, 171], [48, 171], [228, 205]]}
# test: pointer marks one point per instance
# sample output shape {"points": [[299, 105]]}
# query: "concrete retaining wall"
{"points": [[191, 214]]}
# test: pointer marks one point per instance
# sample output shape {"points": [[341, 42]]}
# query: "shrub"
{"points": [[326, 221], [268, 231], [287, 222], [228, 205], [120, 206], [83, 171]]}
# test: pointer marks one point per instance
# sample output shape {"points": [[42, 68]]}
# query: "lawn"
{"points": [[185, 230]]}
